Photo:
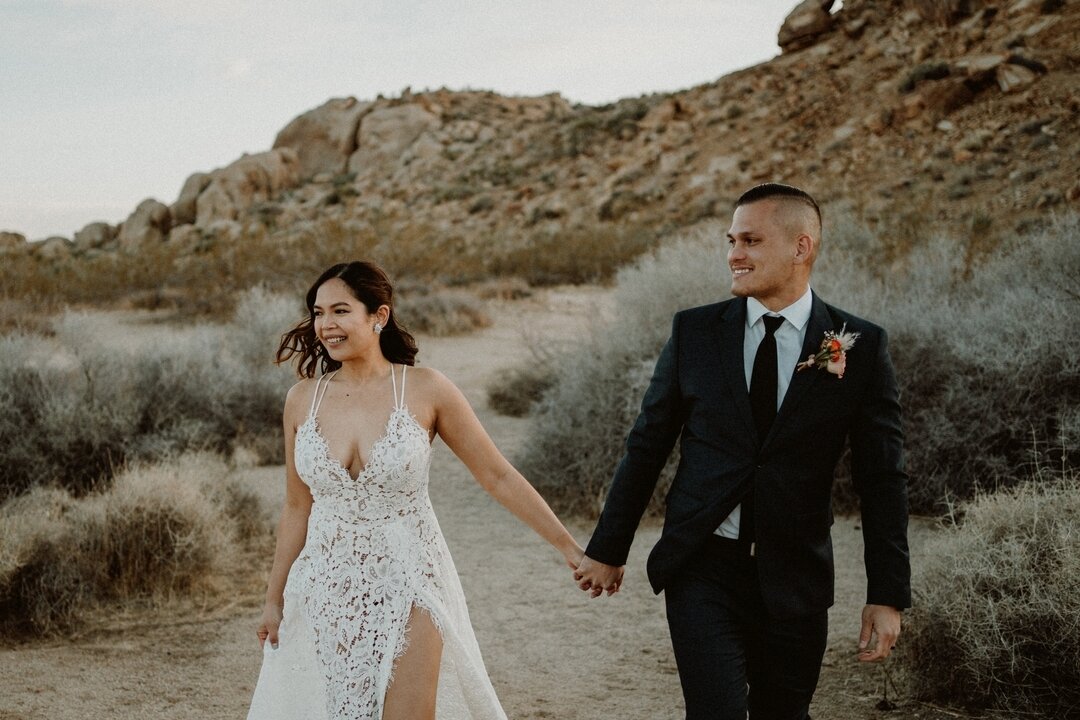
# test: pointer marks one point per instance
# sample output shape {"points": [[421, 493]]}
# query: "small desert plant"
{"points": [[158, 531], [440, 311], [995, 621], [515, 390]]}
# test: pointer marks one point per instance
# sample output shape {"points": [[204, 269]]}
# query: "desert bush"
{"points": [[983, 352], [76, 406], [572, 255], [440, 311], [995, 618], [158, 531], [580, 425], [989, 372], [514, 391]]}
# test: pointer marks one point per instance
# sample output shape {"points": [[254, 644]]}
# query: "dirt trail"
{"points": [[551, 651]]}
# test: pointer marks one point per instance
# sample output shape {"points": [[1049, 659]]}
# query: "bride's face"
{"points": [[342, 323]]}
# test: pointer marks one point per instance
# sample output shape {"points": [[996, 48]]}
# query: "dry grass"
{"points": [[995, 621], [208, 277], [160, 530]]}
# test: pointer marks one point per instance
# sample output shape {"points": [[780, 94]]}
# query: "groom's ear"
{"points": [[804, 249]]}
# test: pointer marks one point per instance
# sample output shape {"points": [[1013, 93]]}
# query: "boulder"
{"points": [[53, 248], [11, 241], [805, 24], [183, 210], [253, 178], [972, 65], [325, 137], [149, 223], [386, 132], [95, 236], [1011, 78]]}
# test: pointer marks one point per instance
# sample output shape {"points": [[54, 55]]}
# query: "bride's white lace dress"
{"points": [[374, 551]]}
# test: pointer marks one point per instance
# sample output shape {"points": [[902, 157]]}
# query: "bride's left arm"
{"points": [[460, 429]]}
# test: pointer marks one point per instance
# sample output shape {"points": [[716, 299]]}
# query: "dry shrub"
{"points": [[945, 12], [440, 311], [989, 372], [514, 391], [983, 352], [996, 622], [572, 255], [579, 427], [24, 316], [158, 531], [92, 398]]}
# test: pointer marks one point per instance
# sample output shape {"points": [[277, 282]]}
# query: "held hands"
{"points": [[884, 622], [595, 577]]}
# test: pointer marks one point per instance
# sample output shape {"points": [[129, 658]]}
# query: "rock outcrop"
{"points": [[386, 133], [805, 24], [95, 236], [150, 223], [234, 189], [885, 109], [325, 137]]}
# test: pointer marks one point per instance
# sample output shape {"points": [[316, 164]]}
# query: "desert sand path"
{"points": [[551, 651]]}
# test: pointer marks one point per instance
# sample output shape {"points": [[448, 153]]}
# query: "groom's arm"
{"points": [[877, 459], [647, 448]]}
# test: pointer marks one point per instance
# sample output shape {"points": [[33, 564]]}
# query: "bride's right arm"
{"points": [[292, 527]]}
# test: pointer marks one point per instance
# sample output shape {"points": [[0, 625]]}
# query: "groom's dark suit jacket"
{"points": [[698, 391]]}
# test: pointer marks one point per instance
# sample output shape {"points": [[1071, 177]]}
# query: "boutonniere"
{"points": [[833, 353]]}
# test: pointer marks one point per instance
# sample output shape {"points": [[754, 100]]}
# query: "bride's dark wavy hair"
{"points": [[370, 285]]}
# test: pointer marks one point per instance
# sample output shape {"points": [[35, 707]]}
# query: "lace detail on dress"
{"points": [[374, 550]]}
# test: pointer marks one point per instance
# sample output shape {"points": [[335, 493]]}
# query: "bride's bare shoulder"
{"points": [[300, 395]]}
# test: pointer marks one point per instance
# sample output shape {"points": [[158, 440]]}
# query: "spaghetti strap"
{"points": [[403, 369], [320, 392], [397, 405]]}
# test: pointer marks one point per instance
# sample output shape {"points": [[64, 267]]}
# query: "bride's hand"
{"points": [[269, 624], [574, 556]]}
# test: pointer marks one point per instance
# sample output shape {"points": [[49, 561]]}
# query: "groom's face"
{"points": [[761, 255]]}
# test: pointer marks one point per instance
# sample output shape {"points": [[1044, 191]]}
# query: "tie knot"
{"points": [[772, 323]]}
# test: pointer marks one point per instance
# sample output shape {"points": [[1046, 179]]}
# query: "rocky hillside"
{"points": [[963, 113]]}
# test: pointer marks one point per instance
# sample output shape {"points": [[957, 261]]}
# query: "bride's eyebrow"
{"points": [[317, 306]]}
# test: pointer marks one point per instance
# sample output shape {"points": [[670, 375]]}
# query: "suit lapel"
{"points": [[803, 381], [730, 332]]}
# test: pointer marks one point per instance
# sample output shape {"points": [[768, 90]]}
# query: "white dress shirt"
{"points": [[789, 341]]}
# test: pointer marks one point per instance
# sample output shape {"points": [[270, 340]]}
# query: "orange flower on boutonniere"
{"points": [[833, 353]]}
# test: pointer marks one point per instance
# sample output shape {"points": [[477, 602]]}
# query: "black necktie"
{"points": [[763, 406], [763, 379]]}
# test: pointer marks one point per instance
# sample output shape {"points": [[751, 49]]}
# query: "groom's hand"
{"points": [[884, 622], [595, 577]]}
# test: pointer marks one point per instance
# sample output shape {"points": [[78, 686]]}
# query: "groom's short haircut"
{"points": [[774, 191], [801, 213]]}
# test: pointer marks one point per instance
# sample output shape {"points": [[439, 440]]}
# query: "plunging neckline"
{"points": [[375, 446]]}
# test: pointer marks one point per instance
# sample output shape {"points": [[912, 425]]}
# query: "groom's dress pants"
{"points": [[724, 641]]}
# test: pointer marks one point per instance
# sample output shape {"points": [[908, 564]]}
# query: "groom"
{"points": [[745, 558]]}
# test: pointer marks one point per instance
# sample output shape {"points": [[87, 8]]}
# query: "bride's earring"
{"points": [[378, 328]]}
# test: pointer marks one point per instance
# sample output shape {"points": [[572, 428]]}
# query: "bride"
{"points": [[365, 616]]}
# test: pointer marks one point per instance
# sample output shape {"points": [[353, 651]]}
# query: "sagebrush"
{"points": [[987, 365], [93, 397], [159, 531], [995, 620]]}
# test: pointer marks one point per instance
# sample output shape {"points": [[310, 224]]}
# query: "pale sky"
{"points": [[104, 103]]}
